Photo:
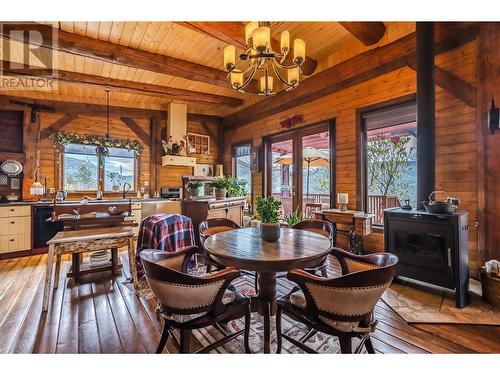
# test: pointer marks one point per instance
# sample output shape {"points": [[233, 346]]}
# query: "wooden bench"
{"points": [[81, 241]]}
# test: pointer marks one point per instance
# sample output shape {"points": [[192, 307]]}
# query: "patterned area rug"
{"points": [[320, 342], [419, 303]]}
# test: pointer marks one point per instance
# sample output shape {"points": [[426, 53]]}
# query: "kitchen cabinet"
{"points": [[201, 209], [15, 232]]}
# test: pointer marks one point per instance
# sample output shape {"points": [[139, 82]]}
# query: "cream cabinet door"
{"points": [[15, 242], [11, 211], [15, 225]]}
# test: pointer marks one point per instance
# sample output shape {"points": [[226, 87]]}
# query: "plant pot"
{"points": [[270, 232], [115, 188], [220, 193]]}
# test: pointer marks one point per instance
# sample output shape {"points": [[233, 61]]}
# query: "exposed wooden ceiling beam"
{"points": [[127, 86], [367, 33], [360, 68], [136, 128], [57, 125], [123, 55], [88, 109], [234, 33], [454, 85]]}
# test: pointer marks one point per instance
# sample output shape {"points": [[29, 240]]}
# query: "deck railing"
{"points": [[377, 204]]}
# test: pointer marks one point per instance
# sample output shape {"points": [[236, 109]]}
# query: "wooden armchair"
{"points": [[187, 302], [342, 306], [324, 228]]}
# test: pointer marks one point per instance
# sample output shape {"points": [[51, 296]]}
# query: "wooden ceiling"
{"points": [[134, 84]]}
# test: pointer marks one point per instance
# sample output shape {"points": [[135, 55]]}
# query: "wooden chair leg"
{"points": [[185, 340], [48, 277], [56, 271], [369, 345], [279, 338], [345, 344], [114, 261], [246, 337], [163, 339]]}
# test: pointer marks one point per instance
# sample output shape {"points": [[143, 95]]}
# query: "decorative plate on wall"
{"points": [[11, 167]]}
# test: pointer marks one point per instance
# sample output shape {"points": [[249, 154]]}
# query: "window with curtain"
{"points": [[390, 141], [83, 170], [241, 162]]}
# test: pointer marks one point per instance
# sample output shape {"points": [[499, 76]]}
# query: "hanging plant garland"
{"points": [[62, 138]]}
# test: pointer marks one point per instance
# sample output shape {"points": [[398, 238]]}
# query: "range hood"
{"points": [[176, 131]]}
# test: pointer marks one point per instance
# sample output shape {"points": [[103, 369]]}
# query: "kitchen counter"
{"points": [[71, 202]]}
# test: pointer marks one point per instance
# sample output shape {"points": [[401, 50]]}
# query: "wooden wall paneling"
{"points": [[31, 140], [135, 127], [57, 125], [455, 133], [488, 166]]}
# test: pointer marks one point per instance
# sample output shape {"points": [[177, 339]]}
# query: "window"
{"points": [[119, 168], [81, 168], [241, 162], [84, 171], [390, 148]]}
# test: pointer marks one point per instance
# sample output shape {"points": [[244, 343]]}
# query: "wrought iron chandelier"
{"points": [[263, 60]]}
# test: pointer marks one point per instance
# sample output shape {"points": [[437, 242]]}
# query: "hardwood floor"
{"points": [[104, 316]]}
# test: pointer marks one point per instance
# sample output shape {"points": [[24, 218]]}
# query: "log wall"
{"points": [[455, 132]]}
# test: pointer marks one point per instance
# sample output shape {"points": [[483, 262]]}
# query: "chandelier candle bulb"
{"points": [[249, 28], [299, 51], [236, 79], [263, 84], [261, 38], [293, 76], [229, 57], [285, 41]]}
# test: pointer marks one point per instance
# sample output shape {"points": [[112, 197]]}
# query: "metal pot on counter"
{"points": [[445, 206]]}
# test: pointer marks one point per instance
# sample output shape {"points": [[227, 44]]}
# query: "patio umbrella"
{"points": [[311, 156]]}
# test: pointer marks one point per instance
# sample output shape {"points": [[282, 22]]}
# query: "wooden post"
{"points": [[426, 111], [154, 155]]}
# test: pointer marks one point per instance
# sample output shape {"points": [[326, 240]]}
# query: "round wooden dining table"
{"points": [[244, 249]]}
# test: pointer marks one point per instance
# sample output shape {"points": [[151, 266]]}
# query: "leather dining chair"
{"points": [[187, 302], [208, 228], [341, 306], [324, 228]]}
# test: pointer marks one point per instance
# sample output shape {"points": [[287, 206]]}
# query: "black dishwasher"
{"points": [[44, 230]]}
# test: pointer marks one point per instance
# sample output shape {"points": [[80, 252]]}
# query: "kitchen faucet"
{"points": [[126, 191]]}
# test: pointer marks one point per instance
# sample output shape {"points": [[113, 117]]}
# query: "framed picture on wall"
{"points": [[204, 170]]}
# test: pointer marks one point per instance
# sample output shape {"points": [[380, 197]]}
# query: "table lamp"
{"points": [[342, 200]]}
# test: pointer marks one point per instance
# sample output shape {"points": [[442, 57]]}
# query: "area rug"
{"points": [[320, 342], [419, 303]]}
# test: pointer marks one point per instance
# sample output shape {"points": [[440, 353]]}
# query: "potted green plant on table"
{"points": [[220, 185], [268, 209], [116, 179], [196, 188]]}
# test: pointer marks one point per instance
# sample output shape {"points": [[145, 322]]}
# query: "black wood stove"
{"points": [[431, 248]]}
